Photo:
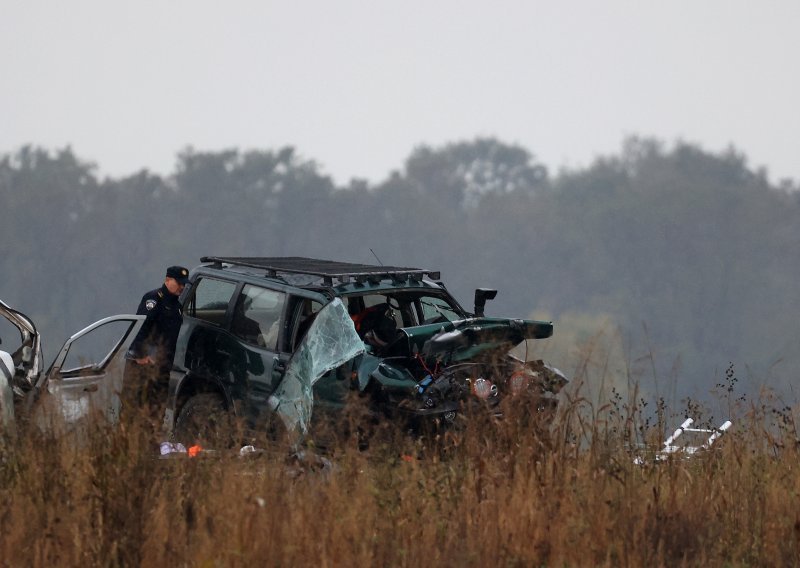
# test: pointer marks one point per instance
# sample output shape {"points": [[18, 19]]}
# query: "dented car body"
{"points": [[257, 342]]}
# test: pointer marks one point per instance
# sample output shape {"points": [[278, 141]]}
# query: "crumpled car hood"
{"points": [[466, 339]]}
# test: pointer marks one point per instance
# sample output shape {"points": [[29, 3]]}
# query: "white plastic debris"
{"points": [[244, 450], [167, 448]]}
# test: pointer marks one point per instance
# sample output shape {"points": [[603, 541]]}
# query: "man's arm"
{"points": [[149, 306]]}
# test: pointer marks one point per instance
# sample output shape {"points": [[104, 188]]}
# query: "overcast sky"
{"points": [[356, 85]]}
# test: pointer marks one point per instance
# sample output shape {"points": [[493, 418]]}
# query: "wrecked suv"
{"points": [[279, 337]]}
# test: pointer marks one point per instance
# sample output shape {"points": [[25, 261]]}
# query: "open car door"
{"points": [[86, 375]]}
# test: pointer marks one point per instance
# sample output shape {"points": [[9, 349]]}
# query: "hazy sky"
{"points": [[356, 85]]}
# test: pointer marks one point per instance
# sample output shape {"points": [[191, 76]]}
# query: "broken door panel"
{"points": [[87, 374]]}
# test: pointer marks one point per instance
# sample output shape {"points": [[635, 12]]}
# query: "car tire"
{"points": [[205, 420]]}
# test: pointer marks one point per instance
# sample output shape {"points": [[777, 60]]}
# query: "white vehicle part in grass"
{"points": [[672, 447], [713, 434], [331, 341]]}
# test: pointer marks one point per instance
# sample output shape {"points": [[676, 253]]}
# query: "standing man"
{"points": [[149, 358]]}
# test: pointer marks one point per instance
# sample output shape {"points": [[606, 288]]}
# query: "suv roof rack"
{"points": [[327, 269]]}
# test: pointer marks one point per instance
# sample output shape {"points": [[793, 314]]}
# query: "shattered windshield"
{"points": [[330, 342], [437, 309]]}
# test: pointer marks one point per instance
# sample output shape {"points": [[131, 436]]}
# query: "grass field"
{"points": [[506, 493]]}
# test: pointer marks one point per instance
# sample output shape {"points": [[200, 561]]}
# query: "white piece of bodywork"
{"points": [[331, 341], [6, 394]]}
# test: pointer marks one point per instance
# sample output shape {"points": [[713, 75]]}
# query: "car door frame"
{"points": [[87, 380]]}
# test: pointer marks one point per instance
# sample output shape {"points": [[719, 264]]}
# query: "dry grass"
{"points": [[498, 494]]}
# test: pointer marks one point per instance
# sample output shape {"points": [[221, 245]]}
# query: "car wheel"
{"points": [[205, 420]]}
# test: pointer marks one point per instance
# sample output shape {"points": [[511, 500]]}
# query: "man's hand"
{"points": [[145, 360]]}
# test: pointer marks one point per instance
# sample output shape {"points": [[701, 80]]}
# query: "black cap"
{"points": [[179, 273]]}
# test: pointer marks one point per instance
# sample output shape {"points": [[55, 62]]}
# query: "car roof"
{"points": [[326, 277], [327, 270]]}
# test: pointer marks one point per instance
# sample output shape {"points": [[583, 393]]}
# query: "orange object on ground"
{"points": [[194, 450]]}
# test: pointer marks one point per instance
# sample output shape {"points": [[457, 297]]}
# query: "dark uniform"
{"points": [[159, 332], [145, 385]]}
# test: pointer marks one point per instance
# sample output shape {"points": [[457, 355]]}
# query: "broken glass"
{"points": [[331, 341]]}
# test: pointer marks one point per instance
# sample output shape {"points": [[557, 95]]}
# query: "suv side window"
{"points": [[210, 299], [257, 316]]}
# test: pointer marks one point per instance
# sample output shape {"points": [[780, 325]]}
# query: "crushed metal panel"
{"points": [[465, 339], [331, 341], [30, 350], [21, 368]]}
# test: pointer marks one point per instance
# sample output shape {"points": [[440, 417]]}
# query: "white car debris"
{"points": [[672, 446]]}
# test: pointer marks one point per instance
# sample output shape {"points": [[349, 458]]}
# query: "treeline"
{"points": [[692, 257]]}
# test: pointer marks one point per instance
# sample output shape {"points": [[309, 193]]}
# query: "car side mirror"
{"points": [[481, 295]]}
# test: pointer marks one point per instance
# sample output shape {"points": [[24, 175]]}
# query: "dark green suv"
{"points": [[282, 337]]}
